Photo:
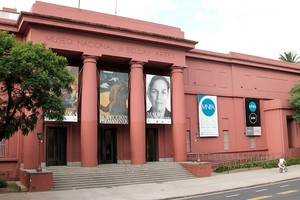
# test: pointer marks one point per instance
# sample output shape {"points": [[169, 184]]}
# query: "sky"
{"points": [[264, 28]]}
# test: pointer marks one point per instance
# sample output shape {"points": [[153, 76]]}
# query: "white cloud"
{"points": [[258, 27]]}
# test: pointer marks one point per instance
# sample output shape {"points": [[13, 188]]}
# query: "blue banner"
{"points": [[208, 116]]}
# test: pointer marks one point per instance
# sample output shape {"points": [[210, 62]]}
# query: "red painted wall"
{"points": [[232, 78]]}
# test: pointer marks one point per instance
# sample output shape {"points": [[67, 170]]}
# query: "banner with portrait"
{"points": [[252, 112], [70, 99], [208, 116], [158, 99], [113, 97]]}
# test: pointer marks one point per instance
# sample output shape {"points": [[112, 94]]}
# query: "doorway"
{"points": [[107, 145], [151, 144], [56, 143]]}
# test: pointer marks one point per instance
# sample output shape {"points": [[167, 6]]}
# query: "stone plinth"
{"points": [[36, 181], [199, 169]]}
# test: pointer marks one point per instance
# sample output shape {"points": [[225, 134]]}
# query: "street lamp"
{"points": [[40, 139], [197, 137]]}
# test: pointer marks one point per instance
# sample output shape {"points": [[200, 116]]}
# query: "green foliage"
{"points": [[263, 164], [3, 183], [293, 161], [290, 56], [295, 101], [31, 80]]}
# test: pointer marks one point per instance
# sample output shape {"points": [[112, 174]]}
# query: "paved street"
{"points": [[288, 190]]}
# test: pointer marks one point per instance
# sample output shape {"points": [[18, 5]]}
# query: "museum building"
{"points": [[229, 104]]}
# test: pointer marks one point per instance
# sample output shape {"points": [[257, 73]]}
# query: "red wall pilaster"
{"points": [[89, 111], [31, 147], [178, 115], [137, 114]]}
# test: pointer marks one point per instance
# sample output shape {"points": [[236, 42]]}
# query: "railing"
{"points": [[126, 166], [221, 159]]}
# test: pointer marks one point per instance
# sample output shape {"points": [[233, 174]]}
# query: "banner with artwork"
{"points": [[208, 116], [70, 99], [158, 100], [252, 112], [113, 97]]}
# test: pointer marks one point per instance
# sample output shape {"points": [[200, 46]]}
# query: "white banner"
{"points": [[158, 100], [208, 116]]}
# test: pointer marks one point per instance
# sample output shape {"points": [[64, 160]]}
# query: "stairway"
{"points": [[109, 175]]}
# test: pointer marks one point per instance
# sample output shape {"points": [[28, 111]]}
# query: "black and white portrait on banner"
{"points": [[158, 99]]}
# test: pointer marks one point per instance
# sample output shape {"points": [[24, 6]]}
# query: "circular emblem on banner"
{"points": [[253, 118], [208, 107], [252, 106]]}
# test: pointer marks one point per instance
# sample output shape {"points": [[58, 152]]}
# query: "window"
{"points": [[2, 148], [252, 142], [289, 121], [225, 140], [188, 141]]}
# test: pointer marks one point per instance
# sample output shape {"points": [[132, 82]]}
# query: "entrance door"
{"points": [[56, 143], [151, 144], [107, 145]]}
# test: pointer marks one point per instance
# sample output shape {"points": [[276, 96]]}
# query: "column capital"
{"points": [[89, 58], [136, 64], [177, 69]]}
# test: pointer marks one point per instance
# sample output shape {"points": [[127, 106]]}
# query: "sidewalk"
{"points": [[166, 190]]}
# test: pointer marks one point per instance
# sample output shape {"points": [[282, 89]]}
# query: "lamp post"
{"points": [[40, 139], [197, 134]]}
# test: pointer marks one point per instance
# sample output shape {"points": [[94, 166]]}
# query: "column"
{"points": [[137, 114], [178, 115], [89, 110]]}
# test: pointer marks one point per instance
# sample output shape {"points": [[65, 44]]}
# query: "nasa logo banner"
{"points": [[208, 116], [252, 111]]}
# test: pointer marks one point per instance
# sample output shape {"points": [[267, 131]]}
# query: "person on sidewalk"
{"points": [[282, 163]]}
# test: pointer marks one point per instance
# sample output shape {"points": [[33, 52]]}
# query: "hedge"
{"points": [[263, 164]]}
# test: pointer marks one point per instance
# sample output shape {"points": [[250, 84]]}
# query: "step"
{"points": [[110, 175]]}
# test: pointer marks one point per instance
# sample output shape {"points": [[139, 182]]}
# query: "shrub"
{"points": [[293, 161], [3, 183], [263, 164]]}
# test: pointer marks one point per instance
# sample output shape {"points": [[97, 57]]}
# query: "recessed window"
{"points": [[225, 139], [2, 148], [188, 141]]}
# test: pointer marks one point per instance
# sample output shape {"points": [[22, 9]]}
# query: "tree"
{"points": [[295, 102], [290, 56], [31, 80]]}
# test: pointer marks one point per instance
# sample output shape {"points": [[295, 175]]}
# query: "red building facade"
{"points": [[98, 45]]}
